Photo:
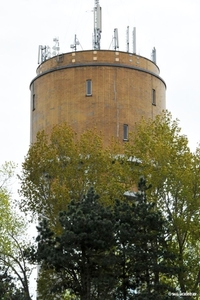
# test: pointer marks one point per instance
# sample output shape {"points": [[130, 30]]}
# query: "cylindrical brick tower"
{"points": [[109, 90]]}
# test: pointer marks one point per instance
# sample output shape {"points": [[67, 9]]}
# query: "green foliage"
{"points": [[103, 252], [82, 252], [13, 266], [8, 220], [166, 161], [8, 288], [142, 249], [62, 166]]}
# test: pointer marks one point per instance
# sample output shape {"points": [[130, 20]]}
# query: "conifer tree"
{"points": [[118, 252], [81, 255], [144, 256]]}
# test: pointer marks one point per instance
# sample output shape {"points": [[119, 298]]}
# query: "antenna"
{"points": [[76, 43], [115, 39], [153, 55], [56, 47], [127, 39], [97, 25], [43, 53], [134, 40]]}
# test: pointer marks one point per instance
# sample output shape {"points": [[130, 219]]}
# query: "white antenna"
{"points": [[127, 39], [97, 25], [115, 39], [43, 53], [76, 43], [153, 55], [134, 40], [56, 47]]}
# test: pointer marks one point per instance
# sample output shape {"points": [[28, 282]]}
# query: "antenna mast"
{"points": [[43, 53], [76, 43], [127, 39], [56, 47], [97, 25], [153, 55], [116, 39], [134, 40]]}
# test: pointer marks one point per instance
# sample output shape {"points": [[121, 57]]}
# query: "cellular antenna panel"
{"points": [[97, 25]]}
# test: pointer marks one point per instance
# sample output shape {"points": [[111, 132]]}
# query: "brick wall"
{"points": [[122, 85]]}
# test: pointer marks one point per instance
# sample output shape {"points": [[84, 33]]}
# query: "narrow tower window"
{"points": [[33, 102], [89, 87], [153, 97], [125, 132]]}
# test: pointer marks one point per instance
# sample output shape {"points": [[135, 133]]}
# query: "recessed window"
{"points": [[89, 87], [153, 97], [33, 102], [125, 132]]}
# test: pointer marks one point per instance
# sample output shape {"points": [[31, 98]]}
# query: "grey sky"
{"points": [[172, 26]]}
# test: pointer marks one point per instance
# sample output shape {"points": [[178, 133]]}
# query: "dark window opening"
{"points": [[89, 87], [33, 102], [153, 97], [125, 132]]}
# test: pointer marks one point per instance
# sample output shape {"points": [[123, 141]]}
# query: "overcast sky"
{"points": [[172, 26]]}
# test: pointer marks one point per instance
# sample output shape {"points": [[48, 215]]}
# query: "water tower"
{"points": [[107, 89]]}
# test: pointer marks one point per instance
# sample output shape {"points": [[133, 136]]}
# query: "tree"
{"points": [[142, 249], [62, 165], [8, 288], [81, 255], [165, 159], [12, 260], [118, 252]]}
